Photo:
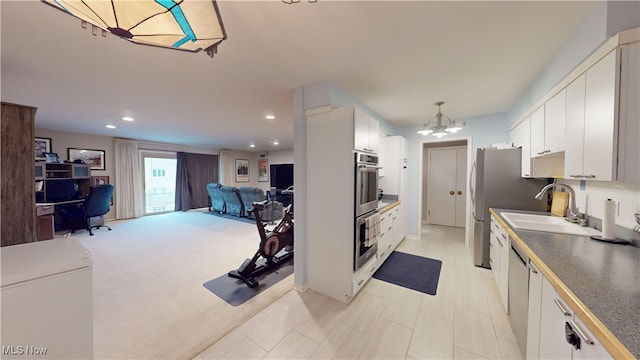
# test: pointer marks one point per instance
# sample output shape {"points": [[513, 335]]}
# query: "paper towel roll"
{"points": [[609, 220]]}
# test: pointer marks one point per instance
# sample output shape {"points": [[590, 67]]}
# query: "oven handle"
{"points": [[361, 166]]}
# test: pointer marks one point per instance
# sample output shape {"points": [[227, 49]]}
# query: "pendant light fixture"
{"points": [[189, 25], [443, 124]]}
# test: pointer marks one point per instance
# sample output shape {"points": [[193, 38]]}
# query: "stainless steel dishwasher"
{"points": [[518, 295]]}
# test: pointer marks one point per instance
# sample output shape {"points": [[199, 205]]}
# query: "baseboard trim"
{"points": [[300, 287], [411, 237]]}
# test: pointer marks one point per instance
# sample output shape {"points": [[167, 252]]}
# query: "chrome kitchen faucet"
{"points": [[574, 216]]}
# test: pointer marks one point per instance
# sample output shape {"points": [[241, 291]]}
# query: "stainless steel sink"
{"points": [[547, 223]]}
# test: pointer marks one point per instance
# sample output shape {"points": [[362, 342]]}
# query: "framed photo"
{"points": [[263, 170], [89, 156], [242, 170], [51, 158], [42, 146], [99, 180]]}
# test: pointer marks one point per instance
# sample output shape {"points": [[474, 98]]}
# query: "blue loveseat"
{"points": [[233, 201]]}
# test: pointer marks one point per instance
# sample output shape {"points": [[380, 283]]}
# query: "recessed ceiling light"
{"points": [[110, 126], [275, 142], [127, 118], [252, 145], [270, 117]]}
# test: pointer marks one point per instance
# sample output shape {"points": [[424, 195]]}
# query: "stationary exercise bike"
{"points": [[276, 246]]}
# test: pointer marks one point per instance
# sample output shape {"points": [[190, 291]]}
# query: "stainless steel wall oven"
{"points": [[366, 186], [366, 243]]}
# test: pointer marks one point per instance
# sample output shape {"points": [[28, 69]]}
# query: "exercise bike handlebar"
{"points": [[288, 190]]}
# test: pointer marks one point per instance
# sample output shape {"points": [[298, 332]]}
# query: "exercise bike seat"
{"points": [[259, 205]]}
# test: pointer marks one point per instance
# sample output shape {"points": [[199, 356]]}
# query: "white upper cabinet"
{"points": [[395, 163], [520, 136], [366, 132], [600, 130], [555, 115], [537, 132], [548, 126], [601, 120], [574, 146]]}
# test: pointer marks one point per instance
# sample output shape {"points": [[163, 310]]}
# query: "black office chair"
{"points": [[94, 206]]}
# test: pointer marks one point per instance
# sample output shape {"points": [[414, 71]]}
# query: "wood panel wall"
{"points": [[17, 175]]}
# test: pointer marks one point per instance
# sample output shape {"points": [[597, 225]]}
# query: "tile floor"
{"points": [[464, 320]]}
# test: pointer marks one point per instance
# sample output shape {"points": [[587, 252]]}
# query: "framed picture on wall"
{"points": [[263, 170], [88, 156], [99, 180], [42, 145], [242, 170]]}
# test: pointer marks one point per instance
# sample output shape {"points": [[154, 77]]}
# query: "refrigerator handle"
{"points": [[472, 180]]}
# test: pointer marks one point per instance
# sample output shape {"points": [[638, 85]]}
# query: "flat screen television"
{"points": [[281, 176]]}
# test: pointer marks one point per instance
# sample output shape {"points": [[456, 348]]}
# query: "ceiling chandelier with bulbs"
{"points": [[443, 124]]}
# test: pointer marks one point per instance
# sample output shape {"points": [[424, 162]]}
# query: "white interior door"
{"points": [[441, 201], [461, 187], [447, 186]]}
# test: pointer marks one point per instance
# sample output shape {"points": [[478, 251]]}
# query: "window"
{"points": [[159, 182]]}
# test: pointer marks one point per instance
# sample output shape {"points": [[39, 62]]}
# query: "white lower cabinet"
{"points": [[562, 334], [385, 239], [392, 232], [499, 259], [399, 225]]}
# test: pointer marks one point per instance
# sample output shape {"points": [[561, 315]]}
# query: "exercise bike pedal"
{"points": [[250, 281], [247, 267]]}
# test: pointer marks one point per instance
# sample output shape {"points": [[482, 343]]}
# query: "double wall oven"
{"points": [[366, 203]]}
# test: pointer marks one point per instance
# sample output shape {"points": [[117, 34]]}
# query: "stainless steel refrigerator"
{"points": [[496, 183]]}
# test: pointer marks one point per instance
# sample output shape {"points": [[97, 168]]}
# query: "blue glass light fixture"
{"points": [[189, 25]]}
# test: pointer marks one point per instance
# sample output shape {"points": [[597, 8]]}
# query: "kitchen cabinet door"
{"points": [[520, 136], [399, 224], [499, 260], [366, 132], [533, 314], [494, 252], [555, 115], [385, 238], [554, 313], [574, 146], [600, 128], [537, 132]]}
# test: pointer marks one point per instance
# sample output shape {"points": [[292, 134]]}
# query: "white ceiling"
{"points": [[396, 57]]}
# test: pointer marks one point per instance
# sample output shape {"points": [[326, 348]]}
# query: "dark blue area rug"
{"points": [[235, 292], [411, 271]]}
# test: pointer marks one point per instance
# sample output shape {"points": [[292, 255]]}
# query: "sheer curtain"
{"points": [[195, 171], [128, 191], [226, 177]]}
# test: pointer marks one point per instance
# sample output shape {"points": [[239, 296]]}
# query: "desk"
{"points": [[44, 221], [48, 218]]}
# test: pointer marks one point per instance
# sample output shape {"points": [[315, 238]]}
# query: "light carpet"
{"points": [[149, 302]]}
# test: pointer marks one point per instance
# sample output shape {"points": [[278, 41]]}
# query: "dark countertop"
{"points": [[604, 277]]}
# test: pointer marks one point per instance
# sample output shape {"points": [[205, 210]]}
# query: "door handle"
{"points": [[451, 192], [459, 192]]}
